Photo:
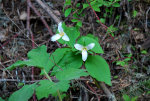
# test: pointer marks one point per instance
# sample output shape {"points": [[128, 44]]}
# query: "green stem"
{"points": [[58, 93], [59, 96], [47, 75]]}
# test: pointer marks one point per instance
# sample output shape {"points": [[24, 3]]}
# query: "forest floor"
{"points": [[126, 49]]}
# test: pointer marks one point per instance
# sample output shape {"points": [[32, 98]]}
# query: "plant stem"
{"points": [[58, 93], [59, 96], [47, 75]]}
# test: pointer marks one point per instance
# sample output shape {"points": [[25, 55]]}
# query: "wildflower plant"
{"points": [[64, 63]]}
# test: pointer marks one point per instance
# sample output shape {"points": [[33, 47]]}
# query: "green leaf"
{"points": [[85, 40], [102, 20], [74, 20], [67, 11], [98, 68], [24, 94], [67, 2], [40, 58], [126, 97], [78, 5], [116, 5], [37, 57], [111, 30], [134, 98], [46, 88], [79, 23], [70, 73], [148, 92], [121, 63], [92, 36], [1, 99], [85, 5], [134, 13], [73, 33], [70, 60], [55, 57], [16, 64], [96, 8]]}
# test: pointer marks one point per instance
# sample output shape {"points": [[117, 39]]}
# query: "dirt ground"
{"points": [[132, 37]]}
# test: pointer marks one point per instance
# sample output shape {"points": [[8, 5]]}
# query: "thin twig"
{"points": [[41, 17], [49, 11], [93, 91], [146, 19]]}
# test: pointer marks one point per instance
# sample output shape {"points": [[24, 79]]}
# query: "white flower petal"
{"points": [[55, 37], [65, 37], [84, 55], [60, 29], [90, 46], [78, 47]]}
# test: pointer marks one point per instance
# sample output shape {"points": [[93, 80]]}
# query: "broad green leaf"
{"points": [[67, 11], [92, 36], [16, 64], [1, 99], [98, 68], [70, 73], [70, 60], [55, 57], [85, 40], [24, 94], [72, 33], [37, 57], [40, 58], [46, 88]]}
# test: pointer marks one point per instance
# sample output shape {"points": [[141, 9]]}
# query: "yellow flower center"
{"points": [[84, 48], [61, 33]]}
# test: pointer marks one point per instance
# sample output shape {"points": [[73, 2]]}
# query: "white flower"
{"points": [[84, 49], [60, 34]]}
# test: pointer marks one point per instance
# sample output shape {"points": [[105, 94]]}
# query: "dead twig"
{"points": [[41, 17], [49, 11], [146, 29]]}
